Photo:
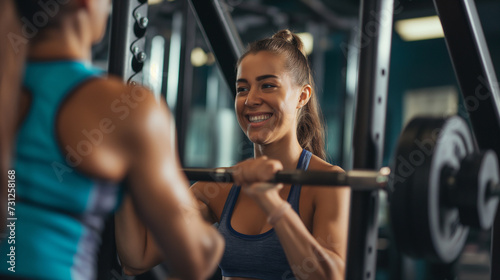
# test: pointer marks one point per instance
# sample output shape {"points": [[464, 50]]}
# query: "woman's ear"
{"points": [[305, 95]]}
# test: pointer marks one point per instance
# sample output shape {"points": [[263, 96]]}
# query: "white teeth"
{"points": [[259, 118]]}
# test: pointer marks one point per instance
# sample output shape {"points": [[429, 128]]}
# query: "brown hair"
{"points": [[310, 127]]}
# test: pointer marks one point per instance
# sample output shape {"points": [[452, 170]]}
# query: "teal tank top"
{"points": [[53, 231]]}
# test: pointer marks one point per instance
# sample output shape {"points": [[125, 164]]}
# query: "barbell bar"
{"points": [[355, 179]]}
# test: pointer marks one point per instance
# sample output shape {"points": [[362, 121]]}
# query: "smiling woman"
{"points": [[265, 239], [277, 109]]}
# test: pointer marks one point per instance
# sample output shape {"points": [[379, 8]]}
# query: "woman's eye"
{"points": [[267, 86], [241, 89]]}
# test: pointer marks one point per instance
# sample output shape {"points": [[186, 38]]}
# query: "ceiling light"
{"points": [[308, 41], [154, 2], [198, 57], [419, 28]]}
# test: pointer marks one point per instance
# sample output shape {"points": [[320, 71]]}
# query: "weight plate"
{"points": [[428, 152], [477, 207], [399, 196]]}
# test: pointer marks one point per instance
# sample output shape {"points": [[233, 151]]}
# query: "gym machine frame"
{"points": [[479, 86], [185, 83], [128, 27], [474, 70], [375, 24], [221, 35], [478, 83]]}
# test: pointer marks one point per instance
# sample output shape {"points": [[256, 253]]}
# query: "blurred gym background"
{"points": [[422, 82]]}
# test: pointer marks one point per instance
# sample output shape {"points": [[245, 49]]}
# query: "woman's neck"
{"points": [[287, 151]]}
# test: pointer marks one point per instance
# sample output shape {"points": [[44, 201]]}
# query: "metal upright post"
{"points": [[126, 58], [218, 28], [185, 85], [371, 101], [351, 82]]}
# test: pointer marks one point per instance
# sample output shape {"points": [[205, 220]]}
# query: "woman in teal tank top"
{"points": [[277, 231], [74, 151]]}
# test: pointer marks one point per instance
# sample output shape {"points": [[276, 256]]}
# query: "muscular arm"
{"points": [[146, 254], [139, 256], [159, 194], [322, 253], [137, 250]]}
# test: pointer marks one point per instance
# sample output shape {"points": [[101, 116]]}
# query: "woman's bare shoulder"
{"points": [[326, 192], [319, 164]]}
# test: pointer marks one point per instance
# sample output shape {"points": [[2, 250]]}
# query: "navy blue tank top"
{"points": [[256, 256]]}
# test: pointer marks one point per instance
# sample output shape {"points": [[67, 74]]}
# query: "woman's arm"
{"points": [[145, 253], [322, 253], [136, 248], [160, 201], [317, 255]]}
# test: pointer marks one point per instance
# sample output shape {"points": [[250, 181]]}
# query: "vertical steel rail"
{"points": [[351, 83], [221, 35], [478, 83], [185, 86], [371, 101], [126, 58]]}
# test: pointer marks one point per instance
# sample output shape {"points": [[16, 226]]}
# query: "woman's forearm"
{"points": [[308, 259]]}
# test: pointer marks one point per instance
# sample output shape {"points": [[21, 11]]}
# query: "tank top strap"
{"points": [[303, 164], [305, 158]]}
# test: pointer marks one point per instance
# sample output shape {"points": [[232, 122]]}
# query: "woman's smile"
{"points": [[258, 119]]}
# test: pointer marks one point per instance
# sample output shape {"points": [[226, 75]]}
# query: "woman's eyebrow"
{"points": [[259, 78], [263, 77]]}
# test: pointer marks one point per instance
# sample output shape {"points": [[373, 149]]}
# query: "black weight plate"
{"points": [[477, 208], [424, 225], [488, 204], [399, 195]]}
